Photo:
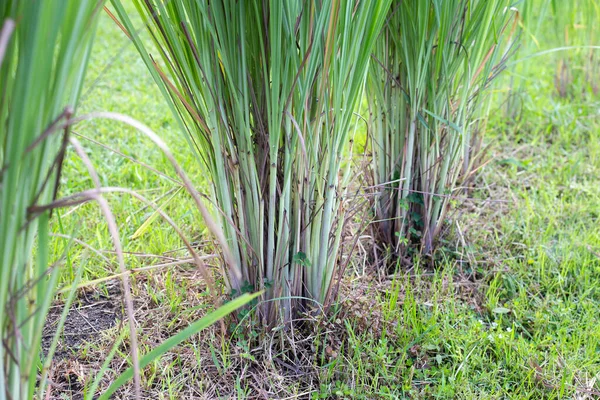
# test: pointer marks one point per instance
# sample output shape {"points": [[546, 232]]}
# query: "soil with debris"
{"points": [[92, 312]]}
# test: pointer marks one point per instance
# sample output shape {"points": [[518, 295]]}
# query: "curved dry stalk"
{"points": [[179, 183], [87, 195], [83, 244], [132, 159], [211, 225], [114, 233], [136, 270]]}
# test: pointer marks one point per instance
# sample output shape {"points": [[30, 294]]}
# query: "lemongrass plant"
{"points": [[576, 27], [265, 91], [426, 90], [566, 33], [44, 50]]}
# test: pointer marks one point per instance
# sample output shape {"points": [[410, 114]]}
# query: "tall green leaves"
{"points": [[41, 76], [434, 61], [265, 91]]}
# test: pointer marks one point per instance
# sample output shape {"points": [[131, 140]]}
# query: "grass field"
{"points": [[510, 308]]}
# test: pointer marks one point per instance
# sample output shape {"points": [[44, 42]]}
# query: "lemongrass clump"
{"points": [[565, 33], [44, 49], [265, 91], [575, 26], [426, 87]]}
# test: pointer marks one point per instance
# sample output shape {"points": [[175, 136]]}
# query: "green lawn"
{"points": [[511, 308]]}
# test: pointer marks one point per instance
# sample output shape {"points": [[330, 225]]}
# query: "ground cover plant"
{"points": [[508, 308]]}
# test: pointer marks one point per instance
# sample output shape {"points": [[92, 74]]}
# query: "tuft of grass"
{"points": [[266, 94], [565, 34], [427, 96]]}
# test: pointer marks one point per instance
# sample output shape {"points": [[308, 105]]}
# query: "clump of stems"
{"points": [[44, 50], [266, 91], [426, 89], [576, 27], [566, 33]]}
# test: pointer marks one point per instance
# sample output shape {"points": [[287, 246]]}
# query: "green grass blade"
{"points": [[175, 340]]}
